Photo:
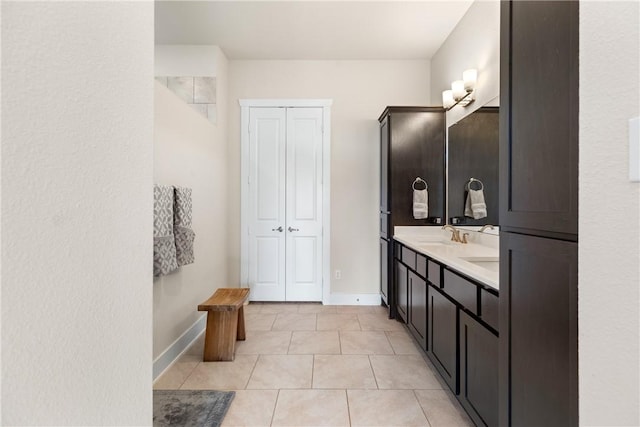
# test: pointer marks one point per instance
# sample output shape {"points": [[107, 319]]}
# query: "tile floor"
{"points": [[314, 365]]}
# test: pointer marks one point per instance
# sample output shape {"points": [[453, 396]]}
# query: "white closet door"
{"points": [[304, 205], [267, 175]]}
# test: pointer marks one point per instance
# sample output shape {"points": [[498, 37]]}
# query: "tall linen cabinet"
{"points": [[539, 214], [412, 145]]}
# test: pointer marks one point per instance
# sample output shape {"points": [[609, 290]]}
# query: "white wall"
{"points": [[360, 91], [474, 43], [609, 223], [191, 152], [77, 203], [186, 60]]}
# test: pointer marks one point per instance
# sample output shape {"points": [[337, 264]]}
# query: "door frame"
{"points": [[325, 104]]}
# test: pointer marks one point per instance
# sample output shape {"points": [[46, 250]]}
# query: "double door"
{"points": [[285, 204]]}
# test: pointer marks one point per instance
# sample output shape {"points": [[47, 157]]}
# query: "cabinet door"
{"points": [[416, 149], [402, 290], [384, 270], [538, 323], [478, 371], [418, 308], [539, 116], [443, 337], [384, 165]]}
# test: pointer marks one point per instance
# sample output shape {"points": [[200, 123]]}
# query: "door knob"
{"points": [[293, 229], [277, 229]]}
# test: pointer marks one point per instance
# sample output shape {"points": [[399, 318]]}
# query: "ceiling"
{"points": [[311, 29]]}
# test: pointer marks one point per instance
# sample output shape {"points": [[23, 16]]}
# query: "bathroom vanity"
{"points": [[447, 294]]}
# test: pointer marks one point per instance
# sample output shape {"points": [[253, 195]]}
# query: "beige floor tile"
{"points": [[173, 377], [376, 322], [221, 375], [441, 409], [276, 308], [258, 321], [364, 342], [385, 408], [338, 322], [343, 371], [356, 309], [316, 308], [402, 343], [282, 371], [403, 372], [311, 408], [252, 308], [197, 346], [251, 408], [264, 342], [295, 322], [315, 342]]}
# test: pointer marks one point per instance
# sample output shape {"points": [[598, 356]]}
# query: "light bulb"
{"points": [[458, 90], [447, 99], [470, 77]]}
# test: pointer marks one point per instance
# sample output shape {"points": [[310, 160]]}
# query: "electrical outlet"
{"points": [[338, 274]]}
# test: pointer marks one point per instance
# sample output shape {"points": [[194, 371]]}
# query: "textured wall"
{"points": [[360, 91], [609, 247], [474, 43], [77, 123]]}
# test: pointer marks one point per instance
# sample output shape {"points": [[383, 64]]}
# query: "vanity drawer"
{"points": [[489, 304], [421, 265], [409, 257], [461, 290], [397, 250], [434, 273]]}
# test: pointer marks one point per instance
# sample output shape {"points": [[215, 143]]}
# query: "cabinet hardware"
{"points": [[293, 229], [277, 229]]}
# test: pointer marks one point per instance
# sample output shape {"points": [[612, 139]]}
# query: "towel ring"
{"points": [[471, 181], [417, 181]]}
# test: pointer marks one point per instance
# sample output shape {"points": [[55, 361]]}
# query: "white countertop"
{"points": [[435, 243]]}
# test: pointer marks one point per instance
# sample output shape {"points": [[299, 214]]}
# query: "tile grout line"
{"points": [[187, 377], [252, 371], [348, 408], [421, 407], [273, 414], [373, 371]]}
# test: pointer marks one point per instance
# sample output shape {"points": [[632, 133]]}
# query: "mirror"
{"points": [[472, 158]]}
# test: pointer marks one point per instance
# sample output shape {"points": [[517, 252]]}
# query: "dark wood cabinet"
{"points": [[412, 144], [539, 117], [385, 260], [443, 337], [417, 320], [540, 380], [478, 371], [402, 290], [538, 374]]}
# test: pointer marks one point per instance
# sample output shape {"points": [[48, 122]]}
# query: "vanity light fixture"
{"points": [[461, 92]]}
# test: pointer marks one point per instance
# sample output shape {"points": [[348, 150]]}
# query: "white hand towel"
{"points": [[474, 206], [420, 204]]}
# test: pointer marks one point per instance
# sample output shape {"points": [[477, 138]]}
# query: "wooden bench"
{"points": [[225, 323]]}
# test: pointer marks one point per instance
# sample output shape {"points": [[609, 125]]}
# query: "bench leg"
{"points": [[241, 333], [220, 336]]}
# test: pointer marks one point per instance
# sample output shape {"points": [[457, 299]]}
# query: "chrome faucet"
{"points": [[484, 227], [455, 233]]}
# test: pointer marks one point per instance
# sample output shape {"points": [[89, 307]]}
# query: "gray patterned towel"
{"points": [[164, 247], [182, 226]]}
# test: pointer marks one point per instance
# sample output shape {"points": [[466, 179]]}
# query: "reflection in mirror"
{"points": [[473, 169]]}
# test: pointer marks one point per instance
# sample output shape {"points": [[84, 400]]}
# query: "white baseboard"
{"points": [[354, 299], [175, 350]]}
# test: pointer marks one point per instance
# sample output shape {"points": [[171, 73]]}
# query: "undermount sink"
{"points": [[488, 263]]}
